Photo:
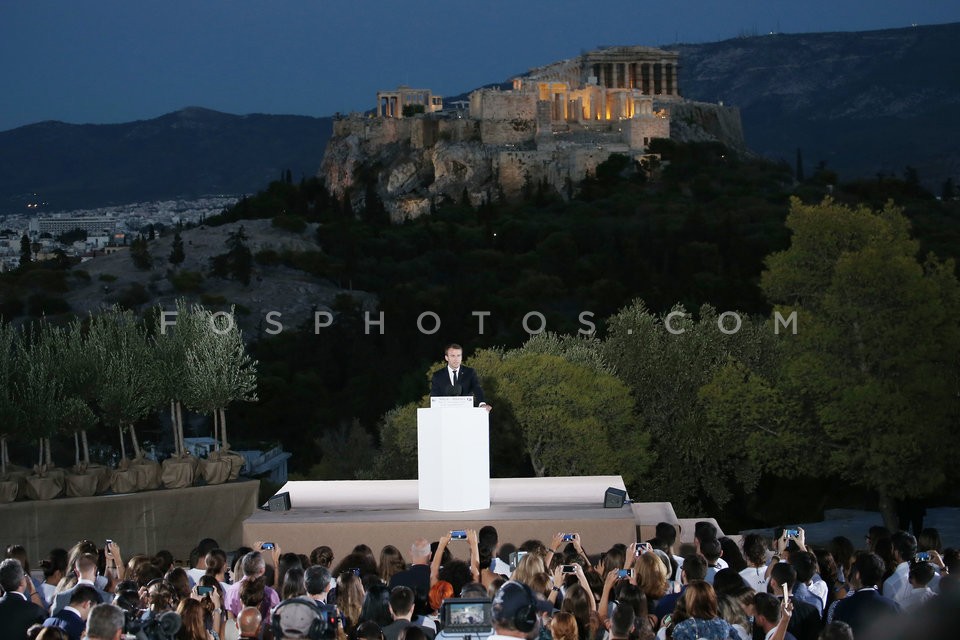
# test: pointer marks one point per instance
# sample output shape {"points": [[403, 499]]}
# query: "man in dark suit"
{"points": [[17, 614], [805, 623], [866, 607], [86, 568], [73, 617], [401, 608], [457, 380], [417, 576]]}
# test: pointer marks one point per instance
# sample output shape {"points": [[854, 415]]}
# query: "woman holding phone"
{"points": [[209, 592]]}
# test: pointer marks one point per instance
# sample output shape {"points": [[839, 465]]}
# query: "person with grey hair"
{"points": [[318, 583], [417, 576], [17, 613], [105, 622], [253, 566]]}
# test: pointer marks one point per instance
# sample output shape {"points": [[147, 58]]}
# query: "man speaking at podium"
{"points": [[457, 380]]}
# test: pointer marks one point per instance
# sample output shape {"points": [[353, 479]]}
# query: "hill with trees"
{"points": [[704, 235]]}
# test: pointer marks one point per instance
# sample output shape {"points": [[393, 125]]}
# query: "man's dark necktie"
{"points": [[456, 377]]}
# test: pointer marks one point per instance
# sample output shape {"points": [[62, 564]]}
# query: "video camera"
{"points": [[163, 627], [466, 617], [304, 618]]}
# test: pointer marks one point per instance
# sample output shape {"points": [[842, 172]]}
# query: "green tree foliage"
{"points": [[174, 335], [37, 391], [177, 254], [397, 457], [665, 372], [69, 237], [309, 199], [186, 281], [344, 453], [219, 370], [140, 253], [237, 262], [120, 355], [70, 349], [575, 420], [8, 403], [877, 347], [26, 251]]}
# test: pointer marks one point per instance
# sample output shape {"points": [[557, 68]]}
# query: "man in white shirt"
{"points": [[199, 569], [897, 586], [921, 573]]}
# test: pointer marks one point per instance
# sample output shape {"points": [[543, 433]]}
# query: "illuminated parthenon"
{"points": [[606, 84]]}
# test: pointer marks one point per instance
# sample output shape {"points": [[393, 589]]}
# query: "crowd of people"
{"points": [[762, 589]]}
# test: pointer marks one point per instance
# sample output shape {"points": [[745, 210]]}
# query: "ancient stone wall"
{"points": [[640, 130], [424, 132], [459, 129], [516, 131], [373, 131], [490, 104]]}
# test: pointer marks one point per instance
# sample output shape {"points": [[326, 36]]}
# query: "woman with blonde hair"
{"points": [[527, 569], [652, 577]]}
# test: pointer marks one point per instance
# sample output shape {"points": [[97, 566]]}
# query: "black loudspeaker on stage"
{"points": [[279, 502], [614, 498]]}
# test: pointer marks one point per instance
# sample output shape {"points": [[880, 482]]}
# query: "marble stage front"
{"points": [[342, 513]]}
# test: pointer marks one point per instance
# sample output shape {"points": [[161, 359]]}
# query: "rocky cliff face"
{"points": [[414, 163], [704, 122], [407, 164]]}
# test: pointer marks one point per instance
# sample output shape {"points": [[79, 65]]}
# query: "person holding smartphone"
{"points": [[470, 535], [210, 593], [254, 567]]}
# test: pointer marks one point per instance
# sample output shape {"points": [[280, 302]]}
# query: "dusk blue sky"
{"points": [[102, 61]]}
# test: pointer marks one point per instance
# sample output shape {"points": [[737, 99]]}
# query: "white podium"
{"points": [[453, 457]]}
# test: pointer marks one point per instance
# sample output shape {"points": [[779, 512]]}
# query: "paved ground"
{"points": [[854, 524]]}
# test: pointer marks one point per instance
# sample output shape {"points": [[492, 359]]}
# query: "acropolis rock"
{"points": [[555, 125]]}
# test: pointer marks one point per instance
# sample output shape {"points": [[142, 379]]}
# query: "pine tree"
{"points": [[140, 254], [240, 258], [26, 253], [177, 256]]}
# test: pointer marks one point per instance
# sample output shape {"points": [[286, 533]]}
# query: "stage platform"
{"points": [[341, 514]]}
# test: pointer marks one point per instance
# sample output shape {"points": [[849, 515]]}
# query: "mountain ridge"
{"points": [[186, 153]]}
